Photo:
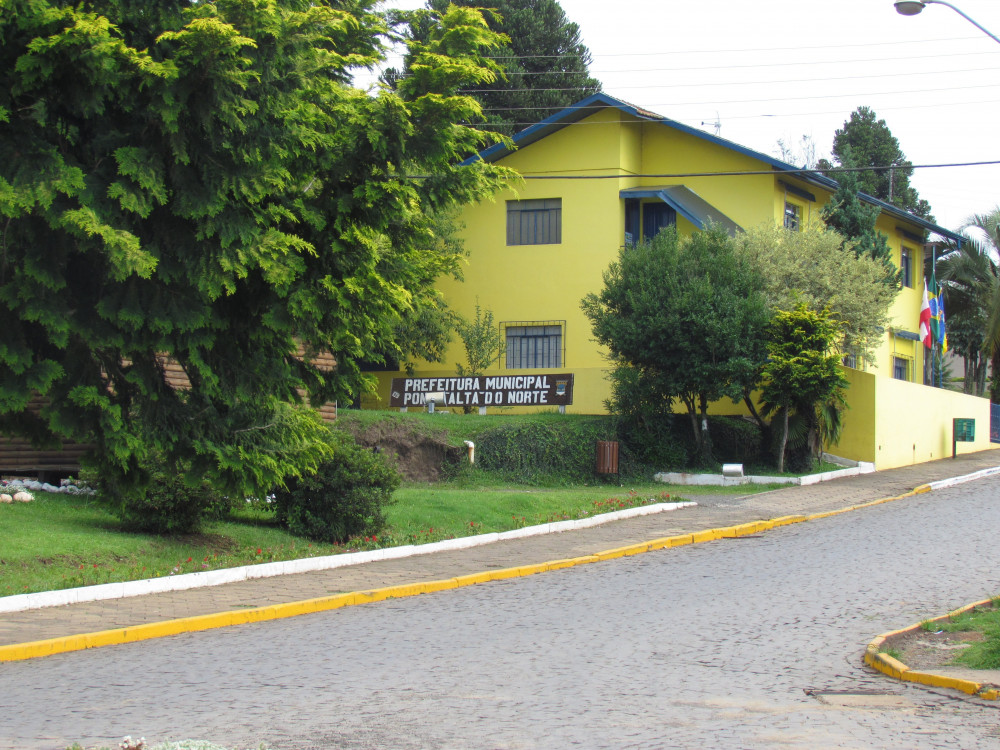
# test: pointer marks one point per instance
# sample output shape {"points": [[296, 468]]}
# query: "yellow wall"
{"points": [[913, 423], [894, 423], [857, 440]]}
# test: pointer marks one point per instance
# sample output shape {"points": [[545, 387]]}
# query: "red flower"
{"points": [[258, 550], [189, 559]]}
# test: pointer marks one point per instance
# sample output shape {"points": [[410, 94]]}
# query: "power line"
{"points": [[739, 173], [800, 63], [893, 108], [687, 69], [742, 50], [908, 74], [744, 101], [758, 172]]}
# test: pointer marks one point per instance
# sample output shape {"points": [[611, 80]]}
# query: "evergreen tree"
{"points": [[197, 181], [855, 222], [866, 141], [544, 60]]}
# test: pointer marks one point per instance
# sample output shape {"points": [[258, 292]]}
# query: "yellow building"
{"points": [[602, 173]]}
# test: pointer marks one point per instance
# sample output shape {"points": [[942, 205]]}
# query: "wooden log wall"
{"points": [[20, 457]]}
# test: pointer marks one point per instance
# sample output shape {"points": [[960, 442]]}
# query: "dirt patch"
{"points": [[923, 649], [419, 457], [215, 543]]}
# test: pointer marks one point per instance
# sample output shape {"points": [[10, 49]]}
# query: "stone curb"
{"points": [[35, 649], [887, 665], [99, 592]]}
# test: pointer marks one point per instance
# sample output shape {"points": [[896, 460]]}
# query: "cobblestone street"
{"points": [[741, 643]]}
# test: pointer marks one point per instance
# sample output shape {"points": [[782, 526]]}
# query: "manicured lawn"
{"points": [[62, 541]]}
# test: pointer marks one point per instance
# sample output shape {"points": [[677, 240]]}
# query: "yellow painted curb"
{"points": [[887, 665], [132, 634]]}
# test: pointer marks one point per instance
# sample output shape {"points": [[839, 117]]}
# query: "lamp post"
{"points": [[912, 7]]}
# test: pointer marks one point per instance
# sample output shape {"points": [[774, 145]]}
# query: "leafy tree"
{"points": [[689, 315], [802, 154], [483, 345], [197, 181], [808, 267], [545, 62], [866, 141], [802, 370], [970, 280], [855, 221]]}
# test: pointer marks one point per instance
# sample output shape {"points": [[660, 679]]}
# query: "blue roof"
{"points": [[596, 102], [687, 203]]}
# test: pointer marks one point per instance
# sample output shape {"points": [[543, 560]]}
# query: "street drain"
{"points": [[860, 699]]}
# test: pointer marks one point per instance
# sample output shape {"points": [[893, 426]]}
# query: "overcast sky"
{"points": [[771, 69]]}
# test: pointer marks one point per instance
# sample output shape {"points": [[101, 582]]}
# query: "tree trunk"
{"points": [[752, 408], [706, 440], [784, 440], [693, 415], [995, 376]]}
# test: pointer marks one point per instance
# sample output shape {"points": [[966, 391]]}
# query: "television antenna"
{"points": [[717, 124]]}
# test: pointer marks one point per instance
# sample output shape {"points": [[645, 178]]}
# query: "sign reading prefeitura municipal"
{"points": [[494, 390]]}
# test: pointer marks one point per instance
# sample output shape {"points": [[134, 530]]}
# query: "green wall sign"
{"points": [[964, 430]]}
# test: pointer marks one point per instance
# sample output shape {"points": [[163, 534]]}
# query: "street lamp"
{"points": [[912, 7]]}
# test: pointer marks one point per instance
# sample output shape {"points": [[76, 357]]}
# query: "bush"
{"points": [[162, 500], [735, 440], [555, 450], [347, 496]]}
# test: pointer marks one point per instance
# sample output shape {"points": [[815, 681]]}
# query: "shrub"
{"points": [[346, 496], [735, 440], [521, 450], [164, 500]]}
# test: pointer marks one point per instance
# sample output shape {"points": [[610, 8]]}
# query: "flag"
{"points": [[934, 300], [925, 319], [942, 333]]}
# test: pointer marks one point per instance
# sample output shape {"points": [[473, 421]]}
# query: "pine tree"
{"points": [[197, 181], [544, 60], [866, 141], [855, 221]]}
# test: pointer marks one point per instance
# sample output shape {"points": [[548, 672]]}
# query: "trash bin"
{"points": [[607, 456]]}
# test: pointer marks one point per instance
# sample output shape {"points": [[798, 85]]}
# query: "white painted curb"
{"points": [[967, 478], [718, 480], [21, 602]]}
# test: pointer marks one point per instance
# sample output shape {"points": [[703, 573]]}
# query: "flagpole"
{"points": [[935, 361]]}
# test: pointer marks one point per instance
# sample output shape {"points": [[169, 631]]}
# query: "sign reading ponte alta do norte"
{"points": [[493, 390]]}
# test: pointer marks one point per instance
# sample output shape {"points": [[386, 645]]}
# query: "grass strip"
{"points": [[65, 541]]}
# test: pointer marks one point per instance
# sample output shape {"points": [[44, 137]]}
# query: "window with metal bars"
{"points": [[534, 222], [534, 345]]}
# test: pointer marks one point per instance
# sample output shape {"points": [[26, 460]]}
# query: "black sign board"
{"points": [[546, 389]]}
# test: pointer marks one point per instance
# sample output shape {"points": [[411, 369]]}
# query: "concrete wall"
{"points": [[894, 423]]}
